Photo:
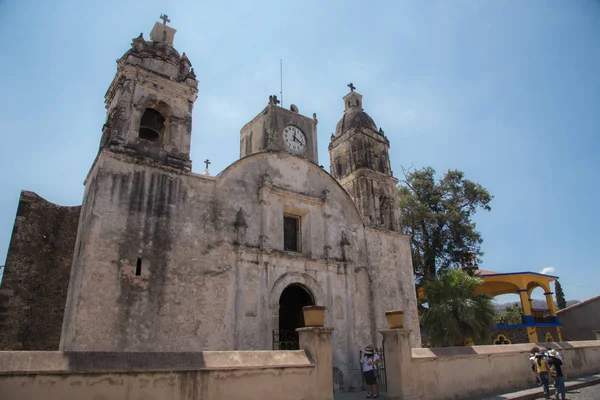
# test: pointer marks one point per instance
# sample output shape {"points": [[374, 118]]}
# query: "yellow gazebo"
{"points": [[523, 284]]}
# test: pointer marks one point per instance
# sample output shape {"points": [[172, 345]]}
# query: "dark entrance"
{"points": [[292, 299]]}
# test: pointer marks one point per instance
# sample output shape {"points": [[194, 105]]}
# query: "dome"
{"points": [[354, 118]]}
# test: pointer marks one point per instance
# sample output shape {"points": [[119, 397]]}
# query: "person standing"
{"points": [[532, 354], [369, 362], [557, 371], [541, 367]]}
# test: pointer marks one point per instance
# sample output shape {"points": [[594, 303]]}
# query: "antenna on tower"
{"points": [[281, 81]]}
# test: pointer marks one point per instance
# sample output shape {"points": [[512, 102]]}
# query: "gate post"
{"points": [[317, 343], [399, 365]]}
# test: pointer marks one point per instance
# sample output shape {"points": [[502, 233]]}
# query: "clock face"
{"points": [[294, 139]]}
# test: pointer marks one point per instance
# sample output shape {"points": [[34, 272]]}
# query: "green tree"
{"points": [[437, 216], [512, 314], [455, 313], [560, 295]]}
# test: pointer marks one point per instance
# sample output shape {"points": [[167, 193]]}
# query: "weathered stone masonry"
{"points": [[36, 276]]}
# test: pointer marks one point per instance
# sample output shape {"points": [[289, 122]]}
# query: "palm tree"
{"points": [[455, 313]]}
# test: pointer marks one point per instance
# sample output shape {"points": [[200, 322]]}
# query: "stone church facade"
{"points": [[164, 259]]}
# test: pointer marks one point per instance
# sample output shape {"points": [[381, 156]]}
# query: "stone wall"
{"points": [[581, 320], [36, 276], [293, 375], [542, 332], [515, 335], [472, 372], [182, 376]]}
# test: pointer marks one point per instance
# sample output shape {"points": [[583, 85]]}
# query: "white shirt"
{"points": [[365, 359]]}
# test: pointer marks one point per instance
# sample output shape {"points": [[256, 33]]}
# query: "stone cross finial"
{"points": [[165, 18], [351, 86], [207, 162]]}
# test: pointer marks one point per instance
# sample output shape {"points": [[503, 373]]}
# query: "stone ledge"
{"points": [[425, 354], [56, 362]]}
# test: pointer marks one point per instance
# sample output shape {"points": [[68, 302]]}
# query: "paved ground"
{"points": [[588, 393], [573, 386]]}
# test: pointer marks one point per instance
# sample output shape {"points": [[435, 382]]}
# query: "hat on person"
{"points": [[555, 354], [368, 350]]}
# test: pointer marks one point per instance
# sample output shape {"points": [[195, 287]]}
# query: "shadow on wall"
{"points": [[89, 362]]}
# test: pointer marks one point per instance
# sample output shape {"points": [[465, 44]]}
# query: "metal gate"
{"points": [[379, 372], [285, 340]]}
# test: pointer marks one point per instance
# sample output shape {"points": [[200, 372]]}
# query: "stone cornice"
{"points": [[370, 173], [142, 161], [336, 141], [293, 256], [305, 198]]}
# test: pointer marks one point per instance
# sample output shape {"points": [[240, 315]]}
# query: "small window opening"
{"points": [[152, 125], [164, 36], [138, 267], [291, 233]]}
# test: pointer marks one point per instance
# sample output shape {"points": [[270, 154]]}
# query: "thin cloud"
{"points": [[547, 270]]}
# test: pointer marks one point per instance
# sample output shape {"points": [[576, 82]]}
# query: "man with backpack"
{"points": [[557, 371]]}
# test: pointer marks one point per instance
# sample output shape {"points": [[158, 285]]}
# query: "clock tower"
{"points": [[278, 129]]}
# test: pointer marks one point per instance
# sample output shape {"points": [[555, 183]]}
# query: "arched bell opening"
{"points": [[152, 125]]}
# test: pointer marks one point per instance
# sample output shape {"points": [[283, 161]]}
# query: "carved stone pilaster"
{"points": [[327, 252], [265, 243]]}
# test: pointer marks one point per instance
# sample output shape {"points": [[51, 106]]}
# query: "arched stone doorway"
{"points": [[291, 301]]}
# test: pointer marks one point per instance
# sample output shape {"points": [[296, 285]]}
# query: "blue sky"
{"points": [[508, 92]]}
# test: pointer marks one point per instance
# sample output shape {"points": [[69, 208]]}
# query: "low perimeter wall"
{"points": [[470, 372], [149, 376], [210, 375], [461, 372]]}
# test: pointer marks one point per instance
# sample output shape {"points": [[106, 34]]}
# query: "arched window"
{"points": [[152, 125]]}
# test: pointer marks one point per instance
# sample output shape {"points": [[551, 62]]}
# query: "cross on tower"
{"points": [[207, 162], [165, 18], [351, 86]]}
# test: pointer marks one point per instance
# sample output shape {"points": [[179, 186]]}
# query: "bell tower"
{"points": [[359, 160], [149, 103]]}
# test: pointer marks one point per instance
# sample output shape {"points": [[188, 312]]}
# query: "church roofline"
{"points": [[138, 159], [268, 107], [237, 163]]}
